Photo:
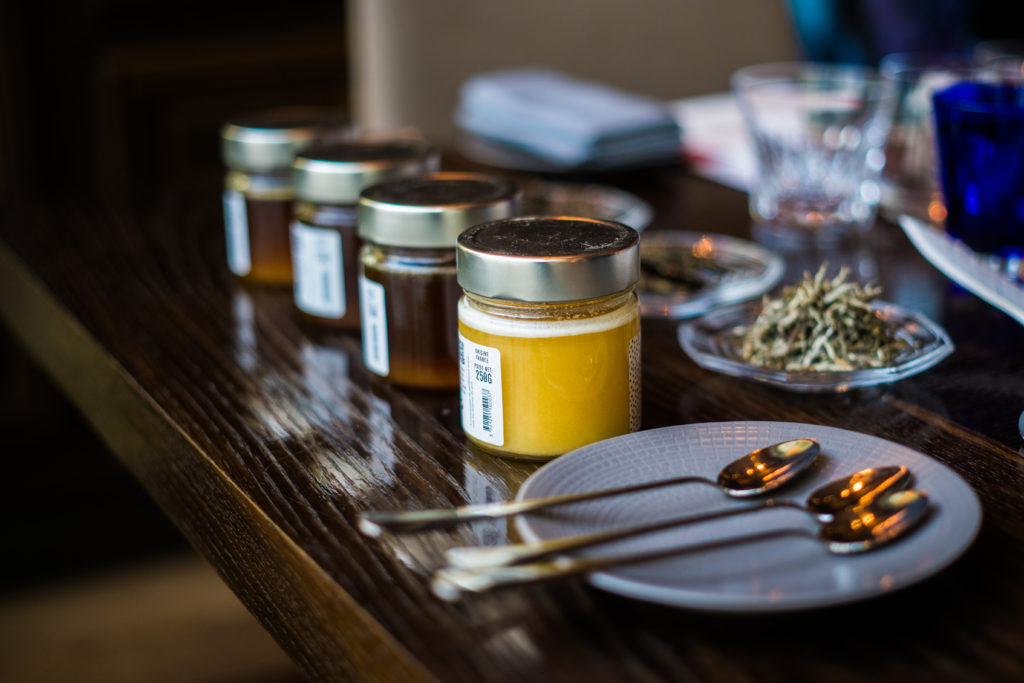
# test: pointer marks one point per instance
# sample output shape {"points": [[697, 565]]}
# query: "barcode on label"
{"points": [[486, 410]]}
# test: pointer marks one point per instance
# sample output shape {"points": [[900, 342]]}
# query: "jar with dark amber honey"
{"points": [[325, 244], [258, 191], [408, 291], [549, 334]]}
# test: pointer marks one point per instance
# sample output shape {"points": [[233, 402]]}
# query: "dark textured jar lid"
{"points": [[548, 259], [337, 173], [432, 211], [269, 140]]}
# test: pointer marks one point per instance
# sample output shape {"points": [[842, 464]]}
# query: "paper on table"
{"points": [[965, 267], [715, 139]]}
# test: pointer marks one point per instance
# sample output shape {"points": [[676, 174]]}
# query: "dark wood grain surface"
{"points": [[262, 440]]}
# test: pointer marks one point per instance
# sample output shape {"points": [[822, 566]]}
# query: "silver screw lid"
{"points": [[268, 141], [432, 211], [337, 173], [548, 259]]}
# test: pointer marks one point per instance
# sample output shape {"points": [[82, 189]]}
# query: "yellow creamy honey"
{"points": [[565, 383]]}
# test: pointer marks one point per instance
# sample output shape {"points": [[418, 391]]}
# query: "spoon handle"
{"points": [[450, 583], [374, 523], [475, 557]]}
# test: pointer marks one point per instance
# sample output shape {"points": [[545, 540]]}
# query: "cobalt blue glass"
{"points": [[979, 129]]}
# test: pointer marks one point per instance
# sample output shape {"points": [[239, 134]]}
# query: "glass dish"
{"points": [[711, 343], [730, 270], [585, 200]]}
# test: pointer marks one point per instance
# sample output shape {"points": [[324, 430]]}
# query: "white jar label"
{"points": [[236, 227], [319, 271], [374, 321], [480, 392]]}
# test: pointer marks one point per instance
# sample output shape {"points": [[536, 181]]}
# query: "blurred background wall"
{"points": [[113, 98], [409, 57]]}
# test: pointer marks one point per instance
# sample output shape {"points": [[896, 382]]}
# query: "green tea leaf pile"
{"points": [[820, 324]]}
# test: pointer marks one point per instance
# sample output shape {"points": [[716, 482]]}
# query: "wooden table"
{"points": [[263, 441]]}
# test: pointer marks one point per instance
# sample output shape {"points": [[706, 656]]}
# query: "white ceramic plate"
{"points": [[779, 575]]}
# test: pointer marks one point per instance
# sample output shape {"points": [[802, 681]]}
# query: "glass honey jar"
{"points": [[408, 291], [549, 334], [325, 244], [258, 151]]}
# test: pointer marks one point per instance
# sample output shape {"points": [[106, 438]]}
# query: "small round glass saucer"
{"points": [[712, 342], [586, 200], [686, 274]]}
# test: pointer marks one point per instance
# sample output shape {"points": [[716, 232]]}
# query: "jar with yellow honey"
{"points": [[258, 151], [408, 292], [325, 245], [549, 334]]}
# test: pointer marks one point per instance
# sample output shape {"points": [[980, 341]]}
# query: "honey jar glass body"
{"points": [[256, 206], [408, 290], [410, 323], [258, 151], [324, 236], [549, 335]]}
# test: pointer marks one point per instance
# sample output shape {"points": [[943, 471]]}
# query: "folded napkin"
{"points": [[565, 120]]}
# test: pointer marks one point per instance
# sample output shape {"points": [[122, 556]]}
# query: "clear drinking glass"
{"points": [[820, 132]]}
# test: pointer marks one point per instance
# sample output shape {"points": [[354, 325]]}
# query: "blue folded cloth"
{"points": [[565, 120]]}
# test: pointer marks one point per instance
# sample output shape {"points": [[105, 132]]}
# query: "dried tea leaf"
{"points": [[819, 324]]}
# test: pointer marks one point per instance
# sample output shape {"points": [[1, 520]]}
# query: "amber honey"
{"points": [[421, 298], [269, 242]]}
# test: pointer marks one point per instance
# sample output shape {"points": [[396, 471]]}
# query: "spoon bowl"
{"points": [[767, 468], [885, 519], [860, 488]]}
